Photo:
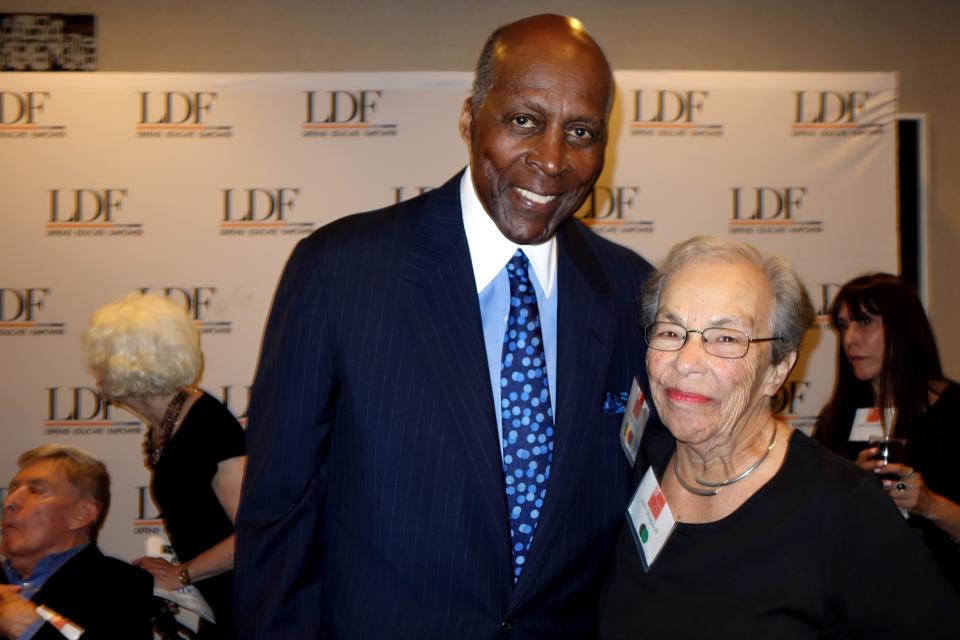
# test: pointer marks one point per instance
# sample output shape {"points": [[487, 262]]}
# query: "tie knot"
{"points": [[518, 265]]}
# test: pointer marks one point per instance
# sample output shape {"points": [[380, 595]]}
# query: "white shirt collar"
{"points": [[490, 250]]}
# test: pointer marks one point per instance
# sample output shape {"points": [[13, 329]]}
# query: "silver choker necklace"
{"points": [[714, 487]]}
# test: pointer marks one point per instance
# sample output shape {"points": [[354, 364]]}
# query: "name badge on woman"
{"points": [[651, 520], [866, 424], [634, 422]]}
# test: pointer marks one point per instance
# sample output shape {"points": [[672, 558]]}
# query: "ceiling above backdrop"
{"points": [[48, 42]]}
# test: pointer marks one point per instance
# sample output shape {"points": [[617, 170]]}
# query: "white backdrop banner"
{"points": [[197, 186]]}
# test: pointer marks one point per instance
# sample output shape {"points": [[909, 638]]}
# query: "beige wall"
{"points": [[920, 39]]}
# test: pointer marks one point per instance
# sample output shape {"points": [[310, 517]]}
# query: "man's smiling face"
{"points": [[537, 140]]}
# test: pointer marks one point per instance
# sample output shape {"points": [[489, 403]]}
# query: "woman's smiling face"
{"points": [[705, 399]]}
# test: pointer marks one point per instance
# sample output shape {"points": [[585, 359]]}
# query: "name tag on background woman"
{"points": [[651, 520], [866, 423]]}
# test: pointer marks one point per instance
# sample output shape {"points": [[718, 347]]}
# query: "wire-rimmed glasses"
{"points": [[722, 342]]}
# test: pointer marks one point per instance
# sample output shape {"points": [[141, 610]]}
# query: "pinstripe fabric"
{"points": [[373, 505]]}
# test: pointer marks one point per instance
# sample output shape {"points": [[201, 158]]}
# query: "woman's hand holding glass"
{"points": [[910, 492]]}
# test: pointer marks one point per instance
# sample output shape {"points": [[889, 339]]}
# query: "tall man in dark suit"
{"points": [[54, 582], [430, 451]]}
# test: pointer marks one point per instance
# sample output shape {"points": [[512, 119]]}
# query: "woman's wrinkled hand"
{"points": [[165, 575]]}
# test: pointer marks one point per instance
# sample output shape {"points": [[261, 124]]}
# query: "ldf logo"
{"points": [[665, 106], [195, 300], [400, 194], [260, 204], [829, 107], [21, 305], [789, 398], [86, 205], [608, 203], [828, 292], [767, 203], [175, 107], [21, 108], [145, 507], [236, 399], [342, 107], [82, 404]]}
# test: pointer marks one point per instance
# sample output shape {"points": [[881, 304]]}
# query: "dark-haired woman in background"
{"points": [[888, 358]]}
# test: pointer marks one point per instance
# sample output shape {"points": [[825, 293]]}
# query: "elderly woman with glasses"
{"points": [[740, 526]]}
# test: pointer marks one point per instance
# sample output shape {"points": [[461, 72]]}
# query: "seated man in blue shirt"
{"points": [[55, 582]]}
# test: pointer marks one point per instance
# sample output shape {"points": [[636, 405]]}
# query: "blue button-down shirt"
{"points": [[29, 587], [490, 252]]}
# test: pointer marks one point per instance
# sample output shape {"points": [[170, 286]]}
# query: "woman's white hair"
{"points": [[792, 310], [142, 345]]}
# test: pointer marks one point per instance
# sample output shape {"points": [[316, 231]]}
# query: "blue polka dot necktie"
{"points": [[525, 412]]}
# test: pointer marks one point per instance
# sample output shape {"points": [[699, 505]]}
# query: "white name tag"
{"points": [[866, 424], [634, 422], [651, 520]]}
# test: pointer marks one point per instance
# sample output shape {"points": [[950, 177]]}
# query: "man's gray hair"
{"points": [[88, 475]]}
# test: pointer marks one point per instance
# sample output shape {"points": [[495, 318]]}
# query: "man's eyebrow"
{"points": [[540, 105], [30, 482]]}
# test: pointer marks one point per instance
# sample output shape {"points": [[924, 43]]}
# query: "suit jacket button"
{"points": [[505, 625]]}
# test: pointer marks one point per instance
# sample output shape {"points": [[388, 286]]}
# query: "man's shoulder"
{"points": [[111, 570], [126, 571], [107, 596], [616, 259], [391, 219]]}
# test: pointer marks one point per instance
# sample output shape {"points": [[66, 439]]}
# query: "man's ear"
{"points": [[85, 514], [466, 120]]}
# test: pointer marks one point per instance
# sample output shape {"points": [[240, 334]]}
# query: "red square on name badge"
{"points": [[873, 415], [637, 405], [656, 503]]}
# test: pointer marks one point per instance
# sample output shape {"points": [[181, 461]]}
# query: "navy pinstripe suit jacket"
{"points": [[373, 504]]}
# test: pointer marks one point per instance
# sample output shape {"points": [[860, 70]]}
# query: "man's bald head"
{"points": [[545, 32]]}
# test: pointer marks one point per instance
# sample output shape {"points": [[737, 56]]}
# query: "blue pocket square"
{"points": [[615, 403]]}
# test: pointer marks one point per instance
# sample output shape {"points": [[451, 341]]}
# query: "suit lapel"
{"points": [[586, 326], [68, 576], [445, 313]]}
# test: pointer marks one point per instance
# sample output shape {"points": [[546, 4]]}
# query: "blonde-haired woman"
{"points": [[144, 352]]}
